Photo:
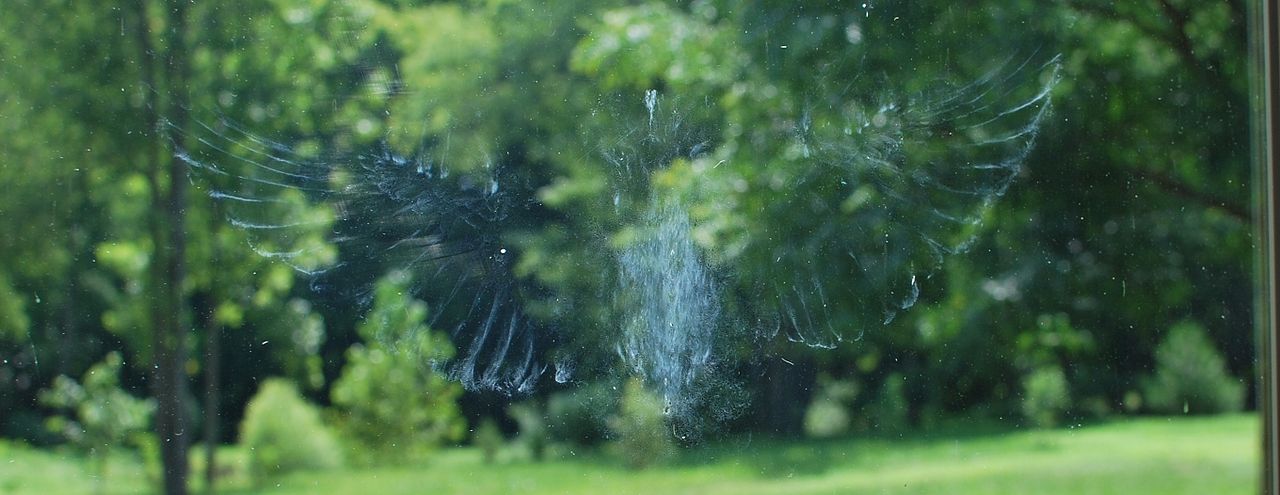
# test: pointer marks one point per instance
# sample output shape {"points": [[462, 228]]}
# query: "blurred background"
{"points": [[1091, 330]]}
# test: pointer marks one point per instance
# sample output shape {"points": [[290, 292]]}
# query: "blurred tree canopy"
{"points": [[1130, 215]]}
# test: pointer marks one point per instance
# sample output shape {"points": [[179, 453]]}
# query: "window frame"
{"points": [[1266, 81]]}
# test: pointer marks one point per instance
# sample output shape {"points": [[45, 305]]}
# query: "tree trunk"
{"points": [[169, 324], [174, 445], [212, 364], [212, 390]]}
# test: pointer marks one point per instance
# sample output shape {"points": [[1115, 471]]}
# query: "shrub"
{"points": [[100, 413], [489, 439], [282, 432], [580, 417], [1191, 376], [533, 429], [825, 418], [1046, 396], [640, 427], [390, 400], [890, 408], [828, 413]]}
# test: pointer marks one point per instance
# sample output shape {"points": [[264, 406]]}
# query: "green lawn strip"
{"points": [[25, 469], [1148, 455]]}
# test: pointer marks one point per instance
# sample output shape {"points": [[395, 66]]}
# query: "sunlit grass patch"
{"points": [[1191, 455]]}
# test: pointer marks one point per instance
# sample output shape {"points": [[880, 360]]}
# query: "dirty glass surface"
{"points": [[314, 246]]}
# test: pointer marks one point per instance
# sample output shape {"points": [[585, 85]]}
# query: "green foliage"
{"points": [[304, 332], [282, 433], [1046, 396], [532, 424], [389, 398], [641, 46], [1053, 338], [580, 416], [523, 81], [103, 412], [511, 85], [100, 415], [828, 413], [14, 323], [489, 439], [1190, 375], [826, 418], [640, 427], [889, 409]]}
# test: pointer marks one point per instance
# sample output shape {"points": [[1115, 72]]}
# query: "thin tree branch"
{"points": [[1176, 187], [1175, 36], [1178, 37]]}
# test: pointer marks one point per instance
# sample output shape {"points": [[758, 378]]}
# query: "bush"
{"points": [[533, 429], [640, 427], [281, 432], [826, 418], [99, 412], [890, 408], [489, 439], [1046, 396], [1191, 376], [828, 413], [580, 417], [390, 400]]}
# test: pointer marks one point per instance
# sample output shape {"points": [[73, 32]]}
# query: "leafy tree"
{"points": [[125, 250], [389, 397], [764, 92], [1127, 218], [1191, 376], [57, 208]]}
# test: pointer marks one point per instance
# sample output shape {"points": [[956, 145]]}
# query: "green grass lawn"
{"points": [[1216, 455]]}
